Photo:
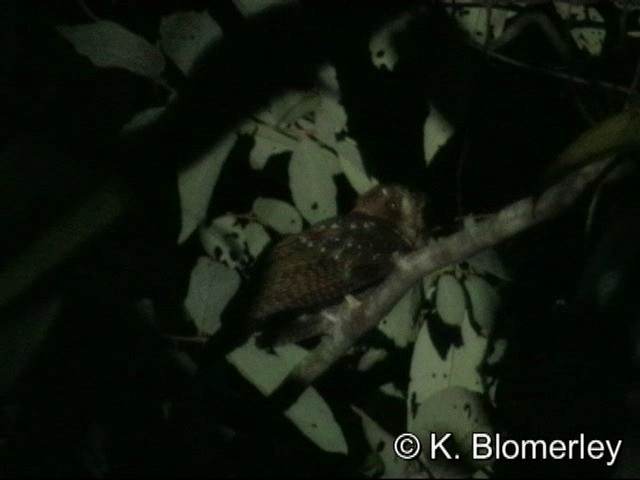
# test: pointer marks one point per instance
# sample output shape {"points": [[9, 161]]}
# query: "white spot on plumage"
{"points": [[331, 316], [406, 206]]}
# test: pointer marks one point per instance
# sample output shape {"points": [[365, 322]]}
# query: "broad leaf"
{"points": [[211, 287], [185, 35], [107, 44]]}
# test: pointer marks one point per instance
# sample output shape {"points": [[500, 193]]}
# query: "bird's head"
{"points": [[397, 205]]}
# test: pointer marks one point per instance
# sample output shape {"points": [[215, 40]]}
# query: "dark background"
{"points": [[91, 400]]}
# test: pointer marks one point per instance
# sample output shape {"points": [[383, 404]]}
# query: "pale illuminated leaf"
{"points": [[311, 181], [450, 300], [227, 241], [279, 215], [381, 442], [353, 167], [211, 287], [311, 414], [436, 133], [398, 324], [589, 39], [474, 20], [382, 46], [265, 369], [429, 373], [109, 45], [255, 238], [484, 302], [185, 35], [196, 184], [330, 120], [458, 411]]}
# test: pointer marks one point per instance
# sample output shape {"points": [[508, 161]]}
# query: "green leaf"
{"points": [[436, 133], [279, 215], [185, 35], [399, 323], [330, 120], [450, 300], [382, 48], [429, 373], [328, 79], [311, 182], [211, 287], [268, 142], [311, 414], [474, 21], [196, 184], [256, 238], [589, 39], [381, 442], [484, 301], [109, 45], [227, 241], [262, 368], [289, 107], [459, 411], [353, 167]]}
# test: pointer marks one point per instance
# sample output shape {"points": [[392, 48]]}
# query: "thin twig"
{"points": [[526, 20], [569, 78]]}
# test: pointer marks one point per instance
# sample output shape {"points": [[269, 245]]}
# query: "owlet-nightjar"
{"points": [[316, 268]]}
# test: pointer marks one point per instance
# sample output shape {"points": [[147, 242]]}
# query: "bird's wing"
{"points": [[326, 262]]}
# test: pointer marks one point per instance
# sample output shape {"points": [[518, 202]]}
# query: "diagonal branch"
{"points": [[357, 319]]}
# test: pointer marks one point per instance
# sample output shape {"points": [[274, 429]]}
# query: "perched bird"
{"points": [[316, 268]]}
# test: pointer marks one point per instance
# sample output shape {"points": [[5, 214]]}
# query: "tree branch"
{"points": [[357, 319]]}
